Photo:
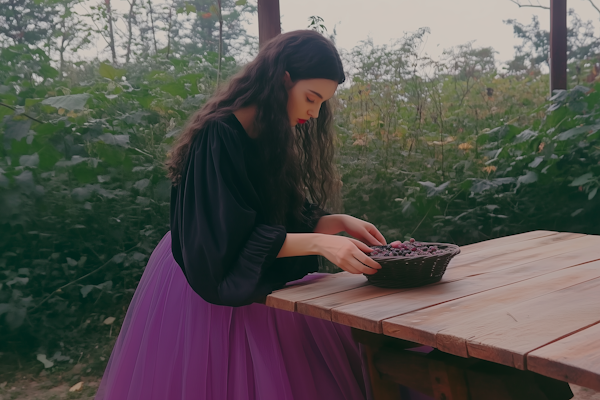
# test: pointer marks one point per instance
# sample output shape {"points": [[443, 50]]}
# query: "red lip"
{"points": [[301, 121]]}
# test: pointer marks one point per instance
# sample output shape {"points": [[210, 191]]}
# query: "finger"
{"points": [[366, 260], [375, 232], [370, 239], [349, 267], [364, 269], [361, 246]]}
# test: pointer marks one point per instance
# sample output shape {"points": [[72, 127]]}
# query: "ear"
{"points": [[287, 81]]}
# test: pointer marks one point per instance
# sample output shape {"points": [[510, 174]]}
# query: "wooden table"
{"points": [[530, 302]]}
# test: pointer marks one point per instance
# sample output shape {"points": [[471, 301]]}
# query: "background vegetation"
{"points": [[457, 149]]}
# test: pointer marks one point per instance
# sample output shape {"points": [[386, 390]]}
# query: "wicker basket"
{"points": [[405, 272]]}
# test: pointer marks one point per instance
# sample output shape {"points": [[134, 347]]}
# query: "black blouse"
{"points": [[218, 235]]}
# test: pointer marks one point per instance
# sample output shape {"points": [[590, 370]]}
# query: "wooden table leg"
{"points": [[447, 377], [382, 389]]}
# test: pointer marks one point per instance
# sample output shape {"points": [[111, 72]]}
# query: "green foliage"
{"points": [[83, 191], [463, 154], [442, 150]]}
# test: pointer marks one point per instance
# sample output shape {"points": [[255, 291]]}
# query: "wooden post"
{"points": [[269, 24], [558, 45]]}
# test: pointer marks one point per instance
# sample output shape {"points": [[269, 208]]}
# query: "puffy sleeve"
{"points": [[226, 254], [292, 268]]}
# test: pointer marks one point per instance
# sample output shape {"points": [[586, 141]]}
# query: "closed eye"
{"points": [[309, 100]]}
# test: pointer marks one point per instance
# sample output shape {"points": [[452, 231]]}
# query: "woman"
{"points": [[241, 227]]}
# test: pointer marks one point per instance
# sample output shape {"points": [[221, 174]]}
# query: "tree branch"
{"points": [[595, 6], [77, 280], [531, 5], [15, 110]]}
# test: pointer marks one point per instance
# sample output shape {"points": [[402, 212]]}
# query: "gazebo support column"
{"points": [[558, 45], [269, 24]]}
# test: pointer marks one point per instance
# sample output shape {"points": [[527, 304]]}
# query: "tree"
{"points": [[534, 50], [26, 21], [71, 33], [203, 34]]}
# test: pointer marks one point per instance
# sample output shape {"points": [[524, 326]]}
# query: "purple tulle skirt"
{"points": [[175, 346]]}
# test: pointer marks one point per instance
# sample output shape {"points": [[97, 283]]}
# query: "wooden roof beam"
{"points": [[558, 45], [269, 24]]}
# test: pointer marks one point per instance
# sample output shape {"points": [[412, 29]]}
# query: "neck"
{"points": [[247, 117]]}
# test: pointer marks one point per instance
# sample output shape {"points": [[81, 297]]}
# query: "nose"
{"points": [[314, 112]]}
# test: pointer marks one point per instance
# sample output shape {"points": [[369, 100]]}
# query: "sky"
{"points": [[452, 22]]}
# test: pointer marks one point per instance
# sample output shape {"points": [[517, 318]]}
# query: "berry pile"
{"points": [[409, 248]]}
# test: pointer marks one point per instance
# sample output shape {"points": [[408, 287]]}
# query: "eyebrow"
{"points": [[321, 97]]}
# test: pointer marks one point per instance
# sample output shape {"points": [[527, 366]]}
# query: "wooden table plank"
{"points": [[521, 237], [367, 314], [286, 298], [530, 250], [575, 359], [321, 307], [506, 336], [422, 326]]}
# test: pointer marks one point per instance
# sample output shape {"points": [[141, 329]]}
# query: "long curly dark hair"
{"points": [[299, 162]]}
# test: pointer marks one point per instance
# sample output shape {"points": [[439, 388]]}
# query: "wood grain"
{"points": [[322, 307], [521, 237], [575, 359], [286, 298], [422, 326], [368, 314], [496, 258], [506, 336]]}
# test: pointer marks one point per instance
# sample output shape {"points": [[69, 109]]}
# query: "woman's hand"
{"points": [[348, 254], [357, 228]]}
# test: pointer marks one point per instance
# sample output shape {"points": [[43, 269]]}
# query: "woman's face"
{"points": [[306, 96]]}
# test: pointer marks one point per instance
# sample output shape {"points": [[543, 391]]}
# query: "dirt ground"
{"points": [[47, 389]]}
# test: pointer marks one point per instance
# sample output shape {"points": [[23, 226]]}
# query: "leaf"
{"points": [[15, 129], [71, 102], [15, 317], [5, 307], [576, 212], [577, 131], [76, 387], [71, 262], [18, 279], [241, 2], [120, 140], [190, 8], [30, 161], [592, 194], [25, 181], [86, 290], [536, 162], [82, 193], [109, 321], [527, 134], [118, 259], [432, 190], [583, 179], [529, 177], [110, 72], [47, 363], [105, 286], [59, 357], [141, 184]]}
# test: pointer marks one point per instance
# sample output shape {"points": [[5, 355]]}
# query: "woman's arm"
{"points": [[330, 224], [357, 228], [346, 253]]}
